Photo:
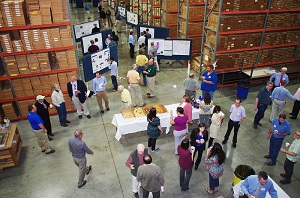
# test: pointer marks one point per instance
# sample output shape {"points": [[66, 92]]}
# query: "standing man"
{"points": [[296, 106], [277, 78], [125, 97], [134, 161], [39, 130], [153, 49], [292, 156], [262, 102], [151, 177], [118, 22], [78, 149], [42, 107], [93, 48], [76, 91], [237, 115], [87, 11], [113, 73], [209, 81], [141, 61], [59, 103], [99, 83], [147, 37], [151, 73], [107, 40], [131, 42], [258, 186], [279, 96], [279, 129], [133, 79], [141, 39], [103, 16], [108, 16], [191, 85], [95, 29]]}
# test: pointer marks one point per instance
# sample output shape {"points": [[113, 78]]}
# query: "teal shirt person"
{"points": [[151, 70]]}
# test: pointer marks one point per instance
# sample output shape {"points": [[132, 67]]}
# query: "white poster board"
{"points": [[86, 41], [168, 48], [151, 31], [158, 43], [84, 29], [122, 11], [100, 60], [181, 47], [132, 18]]}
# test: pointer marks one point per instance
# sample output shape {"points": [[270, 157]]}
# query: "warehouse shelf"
{"points": [[28, 27], [156, 17], [260, 11], [155, 5], [171, 25], [37, 51], [172, 11]]}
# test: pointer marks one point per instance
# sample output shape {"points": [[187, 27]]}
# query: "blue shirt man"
{"points": [[35, 120], [99, 84], [279, 77], [258, 186], [209, 82], [131, 42], [113, 73]]}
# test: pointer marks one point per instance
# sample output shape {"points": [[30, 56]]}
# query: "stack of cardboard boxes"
{"points": [[170, 16], [6, 43], [13, 12], [10, 110], [45, 11], [33, 12], [57, 11], [66, 35], [5, 90], [23, 106]]}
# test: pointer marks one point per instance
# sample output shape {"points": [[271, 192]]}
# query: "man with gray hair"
{"points": [[153, 48], [78, 149], [135, 160], [133, 80], [59, 102], [277, 78], [125, 97], [191, 85]]}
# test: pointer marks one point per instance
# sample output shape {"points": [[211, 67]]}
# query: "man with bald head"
{"points": [[76, 91], [191, 85], [78, 149]]}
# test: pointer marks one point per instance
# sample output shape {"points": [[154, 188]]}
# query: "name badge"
{"points": [[263, 189], [209, 77], [274, 125]]}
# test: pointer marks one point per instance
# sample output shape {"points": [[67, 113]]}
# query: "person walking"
{"points": [[279, 129], [180, 126], [151, 76], [118, 22], [186, 163], [108, 16], [99, 83], [216, 121], [154, 129], [209, 81], [262, 102], [113, 66], [60, 105], [279, 100], [103, 16], [131, 42], [99, 8], [205, 110], [214, 161], [134, 161], [151, 177], [292, 156], [79, 149], [296, 106], [87, 11], [191, 85], [237, 115], [39, 130], [133, 80], [141, 61], [125, 97]]}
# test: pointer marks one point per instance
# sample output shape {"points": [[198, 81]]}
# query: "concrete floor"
{"points": [[55, 176]]}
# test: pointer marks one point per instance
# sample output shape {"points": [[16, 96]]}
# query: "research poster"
{"points": [[159, 44], [84, 29], [86, 42], [132, 18], [122, 11], [100, 60], [151, 31], [181, 47]]}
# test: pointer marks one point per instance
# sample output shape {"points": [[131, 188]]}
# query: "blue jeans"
{"points": [[211, 93], [114, 82], [140, 70], [185, 176], [62, 113], [261, 108], [213, 182], [275, 145]]}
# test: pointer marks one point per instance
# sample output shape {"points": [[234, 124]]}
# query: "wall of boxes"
{"points": [[37, 51]]}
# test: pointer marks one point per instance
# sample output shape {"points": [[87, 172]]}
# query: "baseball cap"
{"points": [[40, 97]]}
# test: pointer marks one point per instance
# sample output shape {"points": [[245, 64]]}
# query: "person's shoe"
{"points": [[102, 111], [255, 126], [51, 134], [64, 125], [88, 172], [114, 90], [185, 189], [270, 164], [282, 175], [43, 150], [156, 150], [67, 121], [84, 182], [290, 113], [259, 124], [49, 138], [88, 116], [267, 156], [50, 152], [284, 181], [196, 167], [136, 195], [108, 109], [80, 116], [233, 145], [224, 141], [148, 94], [293, 118]]}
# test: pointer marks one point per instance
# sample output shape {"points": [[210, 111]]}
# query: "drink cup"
{"points": [[51, 106], [192, 148], [287, 144]]}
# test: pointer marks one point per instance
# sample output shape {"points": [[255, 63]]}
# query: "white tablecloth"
{"points": [[237, 191], [133, 125]]}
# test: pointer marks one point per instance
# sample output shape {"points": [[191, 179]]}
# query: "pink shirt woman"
{"points": [[185, 103]]}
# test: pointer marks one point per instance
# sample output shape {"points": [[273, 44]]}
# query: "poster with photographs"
{"points": [[151, 31], [100, 60], [84, 29], [122, 11], [86, 42], [132, 18]]}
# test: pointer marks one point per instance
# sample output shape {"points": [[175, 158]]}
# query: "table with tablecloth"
{"points": [[133, 125]]}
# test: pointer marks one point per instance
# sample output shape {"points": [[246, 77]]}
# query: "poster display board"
{"points": [[86, 41], [181, 47], [100, 60], [122, 11], [151, 31], [159, 43], [132, 18], [84, 29]]}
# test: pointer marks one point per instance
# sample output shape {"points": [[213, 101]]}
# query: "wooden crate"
{"points": [[170, 5], [192, 29], [194, 12], [170, 18]]}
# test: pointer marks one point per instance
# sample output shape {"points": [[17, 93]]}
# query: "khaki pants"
{"points": [[42, 139], [78, 105], [125, 105], [151, 84], [136, 95], [156, 63], [277, 108], [119, 25], [101, 95], [81, 163]]}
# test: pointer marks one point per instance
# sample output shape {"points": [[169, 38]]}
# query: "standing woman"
{"points": [[180, 128], [153, 130], [205, 105], [216, 121], [186, 164], [185, 103], [199, 138], [214, 159]]}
